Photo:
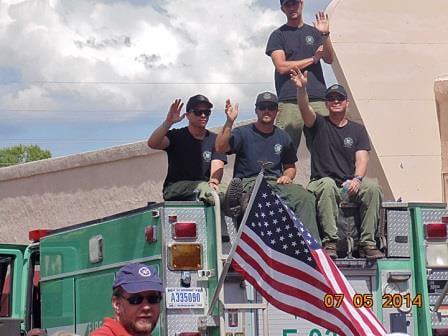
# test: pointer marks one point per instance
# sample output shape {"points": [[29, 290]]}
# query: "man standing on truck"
{"points": [[297, 44], [137, 291], [193, 164], [339, 157], [261, 142]]}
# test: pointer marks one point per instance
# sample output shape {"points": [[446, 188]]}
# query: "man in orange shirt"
{"points": [[137, 291]]}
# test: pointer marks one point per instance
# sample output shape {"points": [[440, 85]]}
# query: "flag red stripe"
{"points": [[318, 302], [366, 314], [292, 271], [289, 290], [347, 298], [290, 309]]}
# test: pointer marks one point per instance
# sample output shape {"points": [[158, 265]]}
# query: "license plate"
{"points": [[179, 297]]}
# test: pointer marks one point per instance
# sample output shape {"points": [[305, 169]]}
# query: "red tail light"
{"points": [[151, 233], [435, 231], [445, 219], [194, 333], [37, 235], [440, 332], [184, 230]]}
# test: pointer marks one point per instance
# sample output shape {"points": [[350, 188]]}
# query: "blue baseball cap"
{"points": [[136, 278]]}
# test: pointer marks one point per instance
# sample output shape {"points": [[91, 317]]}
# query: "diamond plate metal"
{"points": [[438, 275], [433, 215], [433, 298], [398, 223], [436, 322], [184, 319], [402, 288], [230, 227]]}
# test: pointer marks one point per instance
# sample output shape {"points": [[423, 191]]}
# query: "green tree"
{"points": [[20, 154]]}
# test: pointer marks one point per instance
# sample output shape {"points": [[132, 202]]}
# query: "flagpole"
{"points": [[228, 261]]}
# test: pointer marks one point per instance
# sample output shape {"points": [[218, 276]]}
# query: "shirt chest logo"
{"points": [[278, 149], [348, 142], [309, 40], [207, 156]]}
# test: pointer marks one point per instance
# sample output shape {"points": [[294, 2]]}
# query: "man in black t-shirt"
{"points": [[339, 155], [263, 141], [193, 163], [297, 44]]}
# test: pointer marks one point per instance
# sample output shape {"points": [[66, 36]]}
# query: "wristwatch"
{"points": [[359, 178]]}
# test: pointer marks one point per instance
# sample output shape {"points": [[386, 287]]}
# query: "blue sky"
{"points": [[82, 75]]}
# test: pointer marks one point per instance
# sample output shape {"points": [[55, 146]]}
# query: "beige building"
{"points": [[391, 55]]}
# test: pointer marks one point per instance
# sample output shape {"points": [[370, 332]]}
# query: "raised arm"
{"points": [[222, 144], [158, 138], [300, 81], [322, 24]]}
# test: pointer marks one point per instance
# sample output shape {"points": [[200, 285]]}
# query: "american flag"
{"points": [[281, 259]]}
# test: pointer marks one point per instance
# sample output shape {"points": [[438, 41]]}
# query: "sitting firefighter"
{"points": [[339, 155], [193, 164]]}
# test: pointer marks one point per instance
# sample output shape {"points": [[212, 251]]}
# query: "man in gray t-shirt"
{"points": [[339, 155], [263, 141], [297, 44]]}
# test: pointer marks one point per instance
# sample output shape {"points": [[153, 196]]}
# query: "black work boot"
{"points": [[232, 199], [330, 248]]}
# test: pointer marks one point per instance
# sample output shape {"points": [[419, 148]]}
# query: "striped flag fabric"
{"points": [[280, 258]]}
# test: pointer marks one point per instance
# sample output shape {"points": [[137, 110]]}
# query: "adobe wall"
{"points": [[388, 54]]}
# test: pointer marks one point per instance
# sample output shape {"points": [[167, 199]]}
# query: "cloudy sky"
{"points": [[81, 75]]}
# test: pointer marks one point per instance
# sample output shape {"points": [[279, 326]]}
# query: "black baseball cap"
{"points": [[282, 2], [195, 100], [266, 97], [336, 88]]}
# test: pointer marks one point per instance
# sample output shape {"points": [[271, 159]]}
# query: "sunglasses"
{"points": [[201, 112], [334, 98], [138, 299], [270, 107]]}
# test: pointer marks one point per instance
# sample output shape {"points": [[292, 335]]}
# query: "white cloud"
{"points": [[46, 42], [177, 41]]}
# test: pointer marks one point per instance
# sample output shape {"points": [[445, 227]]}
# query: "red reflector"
{"points": [[445, 219], [36, 235], [194, 333], [435, 230], [440, 332], [151, 233], [182, 230]]}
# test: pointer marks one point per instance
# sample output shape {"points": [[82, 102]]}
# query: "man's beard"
{"points": [[136, 329]]}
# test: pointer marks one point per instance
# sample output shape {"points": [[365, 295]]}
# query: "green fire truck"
{"points": [[62, 280]]}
